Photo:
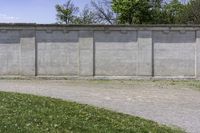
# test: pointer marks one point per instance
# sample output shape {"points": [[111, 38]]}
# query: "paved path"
{"points": [[165, 104]]}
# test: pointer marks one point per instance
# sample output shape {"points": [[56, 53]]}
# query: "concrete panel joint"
{"points": [[198, 54]]}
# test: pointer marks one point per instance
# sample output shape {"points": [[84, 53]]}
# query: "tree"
{"points": [[66, 13], [157, 15], [149, 11], [192, 12], [85, 17], [174, 12], [100, 13], [156, 3], [103, 12], [132, 11]]}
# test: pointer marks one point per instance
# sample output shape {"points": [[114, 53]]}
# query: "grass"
{"points": [[190, 84], [194, 83], [20, 113]]}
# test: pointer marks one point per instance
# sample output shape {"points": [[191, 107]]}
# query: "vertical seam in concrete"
{"points": [[20, 55], [79, 51], [152, 60], [138, 64], [94, 52], [36, 54], [196, 46]]}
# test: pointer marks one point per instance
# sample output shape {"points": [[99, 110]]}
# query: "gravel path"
{"points": [[166, 104]]}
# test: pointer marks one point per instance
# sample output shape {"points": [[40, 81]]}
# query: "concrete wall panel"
{"points": [[145, 53], [116, 53], [86, 53], [57, 53], [28, 53], [174, 53], [9, 52]]}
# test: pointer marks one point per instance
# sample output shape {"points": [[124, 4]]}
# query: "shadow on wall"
{"points": [[174, 36]]}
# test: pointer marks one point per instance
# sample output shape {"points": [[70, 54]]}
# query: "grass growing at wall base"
{"points": [[20, 113]]}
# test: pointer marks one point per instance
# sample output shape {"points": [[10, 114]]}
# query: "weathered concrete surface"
{"points": [[28, 58], [116, 53], [86, 53], [108, 51], [166, 102], [58, 53], [174, 53], [145, 53], [9, 52]]}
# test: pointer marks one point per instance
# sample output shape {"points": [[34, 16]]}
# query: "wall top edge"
{"points": [[34, 26], [97, 25]]}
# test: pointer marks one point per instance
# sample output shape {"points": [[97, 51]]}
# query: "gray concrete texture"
{"points": [[99, 51]]}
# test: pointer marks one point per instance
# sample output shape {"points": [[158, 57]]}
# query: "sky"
{"points": [[32, 11]]}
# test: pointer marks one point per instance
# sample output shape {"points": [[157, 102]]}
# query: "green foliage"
{"points": [[103, 12], [86, 17], [174, 12], [149, 11], [192, 12], [100, 13], [66, 13], [21, 113], [132, 11]]}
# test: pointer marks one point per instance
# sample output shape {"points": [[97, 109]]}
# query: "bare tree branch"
{"points": [[103, 12]]}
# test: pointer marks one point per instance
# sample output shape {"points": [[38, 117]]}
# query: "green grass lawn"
{"points": [[20, 113]]}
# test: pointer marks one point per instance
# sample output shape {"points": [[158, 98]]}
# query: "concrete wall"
{"points": [[100, 51]]}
